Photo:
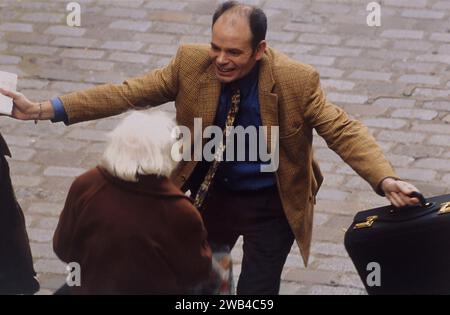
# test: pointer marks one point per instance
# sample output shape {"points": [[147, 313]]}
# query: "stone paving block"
{"points": [[418, 151], [35, 50], [16, 27], [45, 265], [336, 264], [63, 30], [440, 140], [166, 5], [24, 168], [155, 38], [82, 53], [329, 249], [330, 290], [63, 171], [351, 280], [434, 93], [42, 250], [444, 5], [122, 45], [94, 65], [337, 84], [417, 67], [347, 98], [402, 34], [50, 282], [438, 105], [422, 114], [327, 72], [416, 174], [423, 79], [43, 17], [371, 75], [310, 276], [401, 136], [21, 154], [131, 25], [319, 39], [45, 208], [129, 57], [446, 179], [67, 87], [9, 60], [40, 235], [26, 180], [435, 164], [406, 3], [440, 37], [340, 52], [413, 45], [315, 60], [395, 102], [173, 16], [385, 123], [434, 58], [162, 49], [74, 42], [423, 14], [125, 13]]}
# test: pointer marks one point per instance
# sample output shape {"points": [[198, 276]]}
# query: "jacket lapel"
{"points": [[209, 94], [268, 101]]}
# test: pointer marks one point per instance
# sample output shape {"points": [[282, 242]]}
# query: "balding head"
{"points": [[234, 12]]}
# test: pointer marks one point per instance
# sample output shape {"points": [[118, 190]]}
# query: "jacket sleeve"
{"points": [[157, 87], [349, 138], [192, 258]]}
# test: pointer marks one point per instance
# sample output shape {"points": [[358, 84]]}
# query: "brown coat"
{"points": [[290, 97], [131, 238]]}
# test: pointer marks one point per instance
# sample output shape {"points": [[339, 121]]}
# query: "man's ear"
{"points": [[260, 50]]}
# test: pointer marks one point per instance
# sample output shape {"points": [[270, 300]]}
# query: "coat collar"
{"points": [[148, 185]]}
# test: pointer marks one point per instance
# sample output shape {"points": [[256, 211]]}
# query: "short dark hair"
{"points": [[257, 20]]}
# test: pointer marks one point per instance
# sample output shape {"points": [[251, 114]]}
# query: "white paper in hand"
{"points": [[8, 81]]}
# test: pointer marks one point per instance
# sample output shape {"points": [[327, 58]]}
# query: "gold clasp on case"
{"points": [[368, 223], [445, 208]]}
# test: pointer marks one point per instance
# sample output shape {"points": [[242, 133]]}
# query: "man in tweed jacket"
{"points": [[269, 210]]}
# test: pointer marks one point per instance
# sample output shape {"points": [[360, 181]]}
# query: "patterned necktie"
{"points": [[218, 156]]}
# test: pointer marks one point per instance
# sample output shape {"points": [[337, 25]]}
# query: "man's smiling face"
{"points": [[231, 48]]}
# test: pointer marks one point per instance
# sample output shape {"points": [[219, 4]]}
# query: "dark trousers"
{"points": [[257, 216]]}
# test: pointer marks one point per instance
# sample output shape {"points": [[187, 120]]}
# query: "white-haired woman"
{"points": [[130, 229]]}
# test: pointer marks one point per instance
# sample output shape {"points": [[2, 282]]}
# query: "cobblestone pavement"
{"points": [[395, 78]]}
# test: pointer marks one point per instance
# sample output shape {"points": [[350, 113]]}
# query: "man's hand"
{"points": [[397, 192], [24, 109]]}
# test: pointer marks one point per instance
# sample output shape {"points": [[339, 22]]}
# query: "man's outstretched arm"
{"points": [[354, 144], [158, 87]]}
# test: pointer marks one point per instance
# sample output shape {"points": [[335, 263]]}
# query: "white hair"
{"points": [[140, 145]]}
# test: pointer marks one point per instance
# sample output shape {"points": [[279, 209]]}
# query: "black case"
{"points": [[411, 246]]}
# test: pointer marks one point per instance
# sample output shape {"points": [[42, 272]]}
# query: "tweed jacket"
{"points": [[290, 97]]}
